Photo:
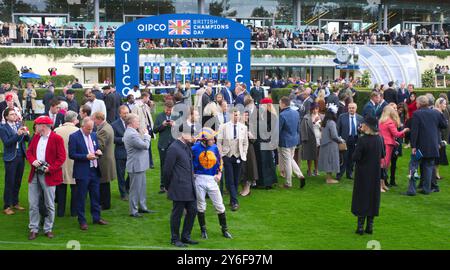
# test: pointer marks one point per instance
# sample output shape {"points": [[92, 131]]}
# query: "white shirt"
{"points": [[86, 141], [97, 106], [136, 94], [41, 147]]}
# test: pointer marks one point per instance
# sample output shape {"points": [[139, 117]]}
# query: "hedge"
{"points": [[442, 54], [362, 96], [58, 81], [59, 53]]}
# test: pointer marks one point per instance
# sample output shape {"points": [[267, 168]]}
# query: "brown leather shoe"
{"points": [[8, 211], [101, 222], [18, 207], [49, 235], [83, 227], [32, 235]]}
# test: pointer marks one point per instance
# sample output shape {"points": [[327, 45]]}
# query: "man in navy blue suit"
{"points": [[120, 153], [371, 108], [228, 95], [240, 94], [348, 128], [83, 149], [13, 138], [425, 126]]}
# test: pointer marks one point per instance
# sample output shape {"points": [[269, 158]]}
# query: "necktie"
{"points": [[234, 132], [353, 133], [224, 117], [91, 150]]}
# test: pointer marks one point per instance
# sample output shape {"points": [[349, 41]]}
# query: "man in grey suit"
{"points": [[137, 164]]}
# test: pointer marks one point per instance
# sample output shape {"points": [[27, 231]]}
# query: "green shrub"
{"points": [[365, 79], [8, 73], [428, 78]]}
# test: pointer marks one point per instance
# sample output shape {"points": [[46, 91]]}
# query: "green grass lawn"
{"points": [[317, 217]]}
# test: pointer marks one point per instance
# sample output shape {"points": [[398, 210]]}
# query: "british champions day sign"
{"points": [[180, 26]]}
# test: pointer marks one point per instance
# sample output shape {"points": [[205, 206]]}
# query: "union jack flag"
{"points": [[179, 27]]}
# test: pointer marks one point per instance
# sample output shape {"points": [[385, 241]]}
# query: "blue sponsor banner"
{"points": [[156, 70], [168, 72], [206, 71], [197, 71], [178, 76], [189, 73], [180, 26], [223, 71], [147, 71], [215, 71]]}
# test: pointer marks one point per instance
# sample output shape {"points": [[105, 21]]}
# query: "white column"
{"points": [[97, 13], [201, 6], [298, 13], [385, 19]]}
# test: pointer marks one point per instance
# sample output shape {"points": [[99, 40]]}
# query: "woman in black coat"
{"points": [[366, 189]]}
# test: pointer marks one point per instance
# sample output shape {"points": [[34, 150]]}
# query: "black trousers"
{"points": [[393, 168], [123, 183], [105, 196], [175, 219], [348, 164], [162, 157], [232, 167], [150, 155], [13, 178], [61, 195]]}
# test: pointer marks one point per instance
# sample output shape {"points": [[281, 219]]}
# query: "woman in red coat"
{"points": [[388, 124]]}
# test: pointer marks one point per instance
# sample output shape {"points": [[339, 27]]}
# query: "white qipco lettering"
{"points": [[239, 46], [125, 47], [151, 27]]}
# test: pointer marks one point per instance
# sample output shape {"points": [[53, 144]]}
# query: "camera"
{"points": [[41, 169]]}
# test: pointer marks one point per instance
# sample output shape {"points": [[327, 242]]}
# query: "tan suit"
{"points": [[65, 131], [107, 162], [33, 99], [140, 109], [233, 147]]}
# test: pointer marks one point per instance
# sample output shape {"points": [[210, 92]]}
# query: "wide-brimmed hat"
{"points": [[371, 122]]}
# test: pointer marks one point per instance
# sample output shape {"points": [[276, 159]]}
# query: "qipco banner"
{"points": [[168, 72], [197, 71], [223, 71], [214, 71], [177, 26], [189, 74], [178, 76], [206, 71], [156, 70], [147, 71]]}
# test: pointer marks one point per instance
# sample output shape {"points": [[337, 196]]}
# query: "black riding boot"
{"points": [[360, 229], [369, 226], [202, 222], [223, 224]]}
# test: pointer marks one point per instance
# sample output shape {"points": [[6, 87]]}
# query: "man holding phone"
{"points": [[84, 150], [163, 125]]}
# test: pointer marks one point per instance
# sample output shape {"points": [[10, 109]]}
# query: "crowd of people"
{"points": [[262, 37], [211, 142], [442, 69]]}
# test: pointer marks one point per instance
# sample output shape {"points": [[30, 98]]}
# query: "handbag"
{"points": [[342, 146]]}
